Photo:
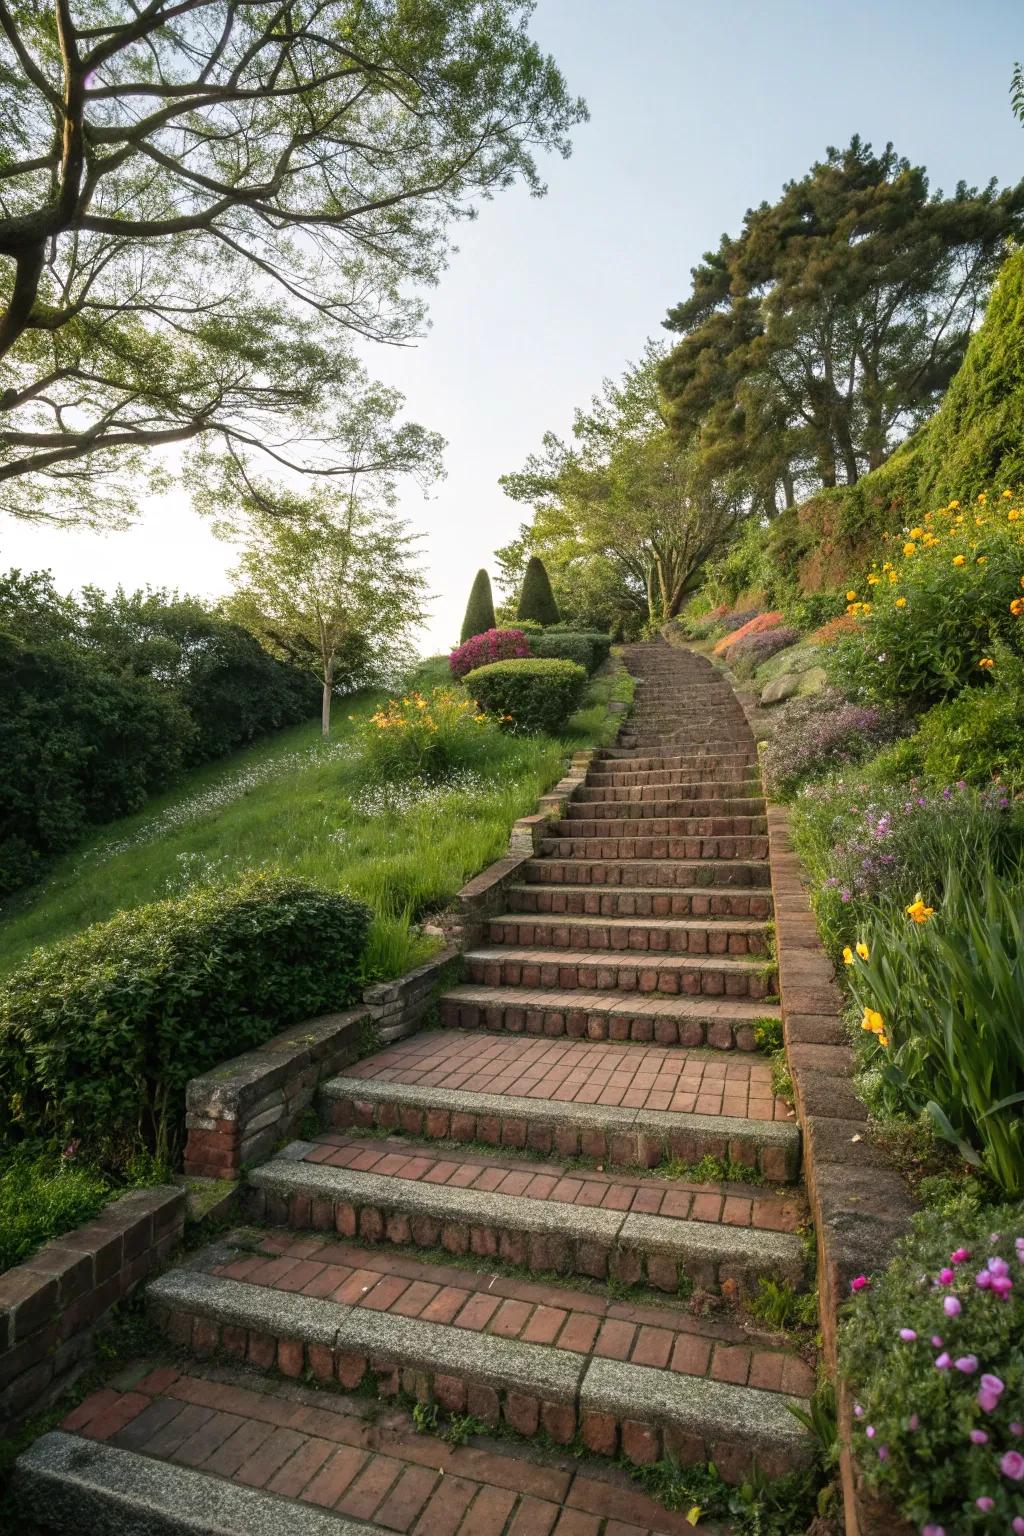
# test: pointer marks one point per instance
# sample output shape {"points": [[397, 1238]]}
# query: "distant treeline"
{"points": [[106, 699]]}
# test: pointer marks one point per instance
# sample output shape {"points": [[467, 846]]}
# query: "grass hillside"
{"points": [[307, 808]]}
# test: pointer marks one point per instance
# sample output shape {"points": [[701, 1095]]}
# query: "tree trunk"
{"points": [[325, 707]]}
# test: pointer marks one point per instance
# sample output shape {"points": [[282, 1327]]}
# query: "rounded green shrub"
{"points": [[480, 608], [537, 601], [934, 1354], [100, 1033], [530, 695], [976, 736]]}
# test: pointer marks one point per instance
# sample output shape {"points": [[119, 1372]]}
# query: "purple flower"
{"points": [[951, 1306], [1012, 1466], [998, 1267], [933, 1530], [990, 1391], [858, 1411], [983, 1281], [936, 1341], [871, 1431], [1018, 1525], [1017, 1428], [913, 1422], [908, 1335], [979, 1437], [985, 1504], [883, 1453], [967, 1364], [943, 1362]]}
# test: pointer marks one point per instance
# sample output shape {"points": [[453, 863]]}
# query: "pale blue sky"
{"points": [[697, 112]]}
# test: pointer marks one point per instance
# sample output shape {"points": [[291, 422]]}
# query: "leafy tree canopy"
{"points": [[814, 340], [622, 515], [203, 203]]}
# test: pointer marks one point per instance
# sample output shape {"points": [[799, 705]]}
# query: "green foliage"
{"points": [[480, 608], [975, 736], [778, 1305], [100, 1033], [106, 700], [861, 240], [529, 695], [811, 610], [768, 1035], [536, 600], [781, 1506], [942, 1005], [950, 593], [587, 650], [913, 1424], [427, 736], [42, 1195]]}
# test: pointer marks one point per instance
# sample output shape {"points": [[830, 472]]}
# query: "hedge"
{"points": [[532, 695], [100, 1033], [537, 601], [480, 608], [586, 648]]}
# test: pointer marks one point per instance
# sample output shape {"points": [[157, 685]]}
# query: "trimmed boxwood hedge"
{"points": [[531, 695], [584, 647], [99, 1034]]}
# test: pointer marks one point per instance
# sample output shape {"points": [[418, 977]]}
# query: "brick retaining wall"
{"points": [[51, 1304]]}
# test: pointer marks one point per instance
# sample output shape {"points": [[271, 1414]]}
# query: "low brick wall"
{"points": [[397, 1007], [51, 1304], [236, 1113]]}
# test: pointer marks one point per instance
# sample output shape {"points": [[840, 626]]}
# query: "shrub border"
{"points": [[859, 1202]]}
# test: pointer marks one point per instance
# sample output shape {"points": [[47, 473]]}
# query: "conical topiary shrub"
{"points": [[537, 601], [480, 608]]}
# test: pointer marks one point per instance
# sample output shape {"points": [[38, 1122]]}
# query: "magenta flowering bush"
{"points": [[492, 645], [752, 650], [933, 1350]]}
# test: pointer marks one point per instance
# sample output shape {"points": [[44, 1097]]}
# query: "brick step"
{"points": [[529, 1387], [199, 1449], [555, 1234], [686, 1021], [710, 936], [710, 779], [719, 847], [561, 869], [594, 805], [622, 824], [672, 975], [627, 760], [740, 793], [616, 901]]}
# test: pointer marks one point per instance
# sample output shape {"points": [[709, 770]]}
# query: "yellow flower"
{"points": [[882, 1039], [1022, 581], [1008, 495], [863, 950], [918, 911], [1017, 607], [982, 560], [986, 663], [872, 1020], [982, 497], [887, 566], [850, 596], [953, 506], [893, 578], [848, 955], [901, 602], [917, 533], [873, 581], [865, 607], [959, 559], [909, 549]]}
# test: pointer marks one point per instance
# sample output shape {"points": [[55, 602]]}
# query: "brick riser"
{"points": [[570, 973], [721, 939], [619, 903], [623, 824], [725, 1033], [655, 848], [561, 869]]}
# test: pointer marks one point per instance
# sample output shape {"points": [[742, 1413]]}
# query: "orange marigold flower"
{"points": [[986, 663]]}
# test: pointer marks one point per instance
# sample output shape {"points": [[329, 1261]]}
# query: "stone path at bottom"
{"points": [[322, 1451]]}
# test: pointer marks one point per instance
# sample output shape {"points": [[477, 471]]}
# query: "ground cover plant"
{"points": [[490, 645], [44, 1192], [934, 1352]]}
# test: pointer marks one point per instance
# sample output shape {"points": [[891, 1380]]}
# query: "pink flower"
{"points": [[946, 1276], [983, 1281], [1002, 1285], [1018, 1525], [1012, 1466], [998, 1267], [979, 1437], [967, 1364], [985, 1504], [871, 1431], [908, 1335], [960, 1256], [858, 1411], [860, 1284], [936, 1341], [933, 1530], [989, 1393], [1018, 1243], [913, 1422], [951, 1306], [943, 1362], [883, 1453], [1017, 1428], [993, 1384]]}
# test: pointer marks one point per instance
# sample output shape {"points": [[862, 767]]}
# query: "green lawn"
{"points": [[307, 808]]}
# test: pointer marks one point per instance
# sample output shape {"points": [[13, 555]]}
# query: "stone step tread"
{"points": [[335, 1340], [204, 1448], [735, 1009], [662, 1334], [648, 959], [731, 1203]]}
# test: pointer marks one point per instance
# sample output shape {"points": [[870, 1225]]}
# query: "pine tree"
{"points": [[537, 601], [480, 608]]}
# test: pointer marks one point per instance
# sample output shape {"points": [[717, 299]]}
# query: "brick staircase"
{"points": [[496, 1218]]}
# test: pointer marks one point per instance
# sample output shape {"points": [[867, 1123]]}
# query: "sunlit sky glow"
{"points": [[697, 112]]}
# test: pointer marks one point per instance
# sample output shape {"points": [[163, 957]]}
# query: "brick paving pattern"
{"points": [[582, 1072]]}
